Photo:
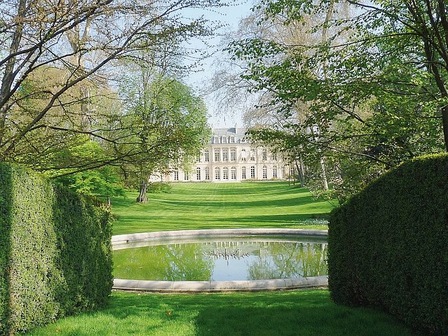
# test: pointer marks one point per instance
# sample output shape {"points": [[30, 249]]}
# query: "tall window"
{"points": [[225, 154], [243, 173], [217, 155], [233, 173], [243, 155], [176, 175], [217, 173], [265, 154], [274, 172], [252, 154], [207, 173], [265, 172], [252, 172], [198, 173], [233, 154], [274, 156], [225, 173], [186, 176], [206, 156]]}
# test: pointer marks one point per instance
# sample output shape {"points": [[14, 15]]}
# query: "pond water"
{"points": [[222, 259]]}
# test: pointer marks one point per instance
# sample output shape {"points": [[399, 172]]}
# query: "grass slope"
{"points": [[221, 205]]}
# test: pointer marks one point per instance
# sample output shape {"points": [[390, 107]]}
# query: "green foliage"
{"points": [[103, 182], [168, 124], [371, 76], [387, 245], [55, 258], [5, 243]]}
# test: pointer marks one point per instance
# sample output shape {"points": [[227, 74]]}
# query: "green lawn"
{"points": [[200, 206], [221, 205], [304, 313]]}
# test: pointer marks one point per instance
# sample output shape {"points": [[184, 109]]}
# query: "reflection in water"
{"points": [[232, 259]]}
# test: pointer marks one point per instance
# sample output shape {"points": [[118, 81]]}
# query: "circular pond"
{"points": [[209, 260]]}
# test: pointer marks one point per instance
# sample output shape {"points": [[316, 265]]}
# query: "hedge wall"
{"points": [[388, 246], [55, 253]]}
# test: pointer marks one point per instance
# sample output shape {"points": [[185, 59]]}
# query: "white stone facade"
{"points": [[230, 157]]}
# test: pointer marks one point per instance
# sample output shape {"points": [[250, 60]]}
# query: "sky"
{"points": [[230, 16]]}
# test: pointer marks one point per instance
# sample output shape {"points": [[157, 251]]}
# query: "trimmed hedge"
{"points": [[55, 251], [388, 245]]}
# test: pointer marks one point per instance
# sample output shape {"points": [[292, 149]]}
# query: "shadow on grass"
{"points": [[273, 188], [304, 313], [247, 203], [273, 313], [276, 219]]}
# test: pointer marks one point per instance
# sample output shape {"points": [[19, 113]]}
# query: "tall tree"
{"points": [[169, 123], [371, 75], [81, 40]]}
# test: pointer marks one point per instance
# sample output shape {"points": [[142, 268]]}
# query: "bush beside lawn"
{"points": [[388, 245], [55, 256]]}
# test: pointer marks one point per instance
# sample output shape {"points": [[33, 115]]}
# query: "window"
{"points": [[252, 155], [265, 154], [217, 155], [225, 154], [198, 173], [186, 176], [207, 173], [198, 158], [243, 155], [176, 175], [223, 139], [232, 139], [274, 156], [215, 139], [265, 172], [233, 154], [217, 173], [274, 172], [206, 156], [233, 173], [243, 173], [252, 172], [225, 173]]}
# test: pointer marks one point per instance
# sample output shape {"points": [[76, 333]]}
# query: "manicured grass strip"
{"points": [[221, 205], [270, 313]]}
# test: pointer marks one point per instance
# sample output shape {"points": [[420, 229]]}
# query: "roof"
{"points": [[228, 135]]}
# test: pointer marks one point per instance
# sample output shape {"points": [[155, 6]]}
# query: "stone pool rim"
{"points": [[216, 286]]}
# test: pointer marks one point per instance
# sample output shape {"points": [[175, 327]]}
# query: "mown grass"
{"points": [[199, 206], [307, 312], [227, 205]]}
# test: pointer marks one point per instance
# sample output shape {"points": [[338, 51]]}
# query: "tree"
{"points": [[82, 40], [103, 183], [169, 123], [370, 76]]}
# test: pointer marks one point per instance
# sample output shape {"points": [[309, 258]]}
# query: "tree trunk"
{"points": [[8, 71], [324, 173], [142, 197]]}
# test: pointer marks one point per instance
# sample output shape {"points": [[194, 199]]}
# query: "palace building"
{"points": [[230, 157]]}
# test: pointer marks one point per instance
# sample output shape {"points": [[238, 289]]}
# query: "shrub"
{"points": [[388, 245], [55, 257]]}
